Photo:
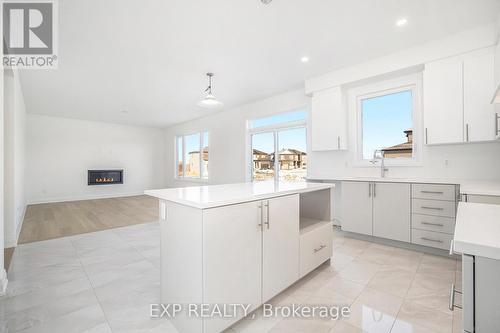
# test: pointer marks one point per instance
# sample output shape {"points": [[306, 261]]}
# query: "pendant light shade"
{"points": [[210, 102]]}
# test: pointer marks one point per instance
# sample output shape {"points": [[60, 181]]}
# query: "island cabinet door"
{"points": [[280, 245], [232, 260]]}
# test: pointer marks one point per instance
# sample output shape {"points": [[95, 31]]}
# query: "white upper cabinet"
{"points": [[443, 102], [479, 113], [328, 120], [457, 95]]}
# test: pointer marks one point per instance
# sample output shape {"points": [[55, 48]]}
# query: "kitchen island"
{"points": [[235, 246]]}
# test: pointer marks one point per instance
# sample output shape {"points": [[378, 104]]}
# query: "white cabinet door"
{"points": [[479, 113], [357, 207], [443, 102], [280, 245], [232, 259], [328, 120], [391, 211]]}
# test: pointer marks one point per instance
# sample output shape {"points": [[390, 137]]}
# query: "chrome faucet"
{"points": [[379, 155]]}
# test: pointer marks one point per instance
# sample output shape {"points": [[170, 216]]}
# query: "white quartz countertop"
{"points": [[477, 230], [470, 187], [220, 195]]}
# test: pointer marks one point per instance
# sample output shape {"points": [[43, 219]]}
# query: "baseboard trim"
{"points": [[20, 225], [3, 282], [84, 197]]}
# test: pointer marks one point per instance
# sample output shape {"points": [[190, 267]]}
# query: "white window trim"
{"points": [[202, 178], [356, 95], [274, 129]]}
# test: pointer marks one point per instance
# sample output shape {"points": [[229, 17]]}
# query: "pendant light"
{"points": [[210, 102]]}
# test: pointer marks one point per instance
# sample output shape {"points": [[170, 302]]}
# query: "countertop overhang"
{"points": [[211, 196], [477, 230]]}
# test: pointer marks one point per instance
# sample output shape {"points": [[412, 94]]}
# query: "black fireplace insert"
{"points": [[104, 177]]}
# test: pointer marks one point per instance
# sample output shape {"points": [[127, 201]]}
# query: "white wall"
{"points": [[14, 157], [228, 138], [60, 151]]}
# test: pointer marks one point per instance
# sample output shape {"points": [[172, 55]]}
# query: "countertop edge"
{"points": [[238, 200]]}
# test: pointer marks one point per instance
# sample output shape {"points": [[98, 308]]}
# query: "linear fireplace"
{"points": [[104, 177]]}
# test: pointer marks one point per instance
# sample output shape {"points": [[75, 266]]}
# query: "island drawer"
{"points": [[433, 223], [316, 247], [434, 192], [432, 239], [434, 207]]}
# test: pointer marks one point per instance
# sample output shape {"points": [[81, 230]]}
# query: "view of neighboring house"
{"points": [[193, 163], [401, 150], [262, 160], [290, 159]]}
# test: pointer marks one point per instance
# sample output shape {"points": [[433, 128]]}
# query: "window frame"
{"points": [[202, 177], [274, 129], [412, 83]]}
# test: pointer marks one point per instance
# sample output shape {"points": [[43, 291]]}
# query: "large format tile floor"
{"points": [[105, 282]]}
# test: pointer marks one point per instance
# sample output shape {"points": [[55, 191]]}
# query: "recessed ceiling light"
{"points": [[401, 22], [266, 2], [304, 59]]}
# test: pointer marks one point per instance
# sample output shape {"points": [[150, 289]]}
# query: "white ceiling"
{"points": [[149, 57]]}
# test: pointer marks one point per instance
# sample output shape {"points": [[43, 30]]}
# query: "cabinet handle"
{"points": [[433, 208], [431, 240], [321, 247], [374, 190], [426, 136], [432, 192], [436, 224], [338, 142], [267, 209], [451, 305], [261, 216], [466, 132], [369, 190]]}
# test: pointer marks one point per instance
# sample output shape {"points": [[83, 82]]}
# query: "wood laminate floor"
{"points": [[54, 220], [7, 257]]}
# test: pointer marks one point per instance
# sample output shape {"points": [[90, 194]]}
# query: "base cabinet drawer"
{"points": [[431, 239], [434, 207], [434, 192], [316, 247], [433, 223]]}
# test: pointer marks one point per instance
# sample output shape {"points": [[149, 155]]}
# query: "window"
{"points": [[388, 122], [192, 156], [283, 133]]}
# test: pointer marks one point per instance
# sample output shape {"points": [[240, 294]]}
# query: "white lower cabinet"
{"points": [[391, 211], [422, 214], [250, 254], [357, 206], [433, 214], [232, 259], [377, 209], [280, 245]]}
